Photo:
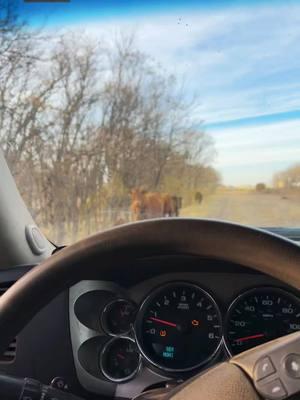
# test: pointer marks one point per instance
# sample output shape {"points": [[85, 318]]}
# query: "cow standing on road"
{"points": [[153, 205], [177, 204]]}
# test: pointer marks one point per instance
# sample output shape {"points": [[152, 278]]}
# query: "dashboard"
{"points": [[140, 332], [144, 330]]}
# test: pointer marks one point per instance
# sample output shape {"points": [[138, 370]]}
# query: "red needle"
{"points": [[120, 356], [163, 322], [243, 339]]}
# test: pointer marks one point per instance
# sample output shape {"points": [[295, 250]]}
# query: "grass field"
{"points": [[248, 207]]}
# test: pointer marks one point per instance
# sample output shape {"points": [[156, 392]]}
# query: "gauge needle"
{"points": [[121, 356], [243, 339], [162, 321]]}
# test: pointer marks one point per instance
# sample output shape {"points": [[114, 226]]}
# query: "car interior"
{"points": [[147, 253], [163, 308]]}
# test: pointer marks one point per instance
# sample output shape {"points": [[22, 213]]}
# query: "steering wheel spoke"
{"points": [[273, 367], [226, 381]]}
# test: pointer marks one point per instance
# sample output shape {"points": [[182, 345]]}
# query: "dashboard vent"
{"points": [[10, 353]]}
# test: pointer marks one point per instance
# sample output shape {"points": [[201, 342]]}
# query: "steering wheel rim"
{"points": [[249, 247]]}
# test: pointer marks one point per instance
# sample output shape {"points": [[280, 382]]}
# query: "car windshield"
{"points": [[122, 110]]}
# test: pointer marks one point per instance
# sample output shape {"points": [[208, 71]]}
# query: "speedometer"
{"points": [[179, 327], [260, 315]]}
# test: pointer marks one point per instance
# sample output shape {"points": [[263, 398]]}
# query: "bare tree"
{"points": [[90, 123]]}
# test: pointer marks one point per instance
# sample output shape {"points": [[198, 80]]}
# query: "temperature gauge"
{"points": [[118, 317]]}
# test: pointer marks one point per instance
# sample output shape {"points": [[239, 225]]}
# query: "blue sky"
{"points": [[241, 59]]}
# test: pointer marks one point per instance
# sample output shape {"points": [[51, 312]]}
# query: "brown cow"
{"points": [[146, 205], [168, 205], [152, 205], [177, 204]]}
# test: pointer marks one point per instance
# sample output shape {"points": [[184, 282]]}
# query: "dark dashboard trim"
{"points": [[288, 233], [14, 273]]}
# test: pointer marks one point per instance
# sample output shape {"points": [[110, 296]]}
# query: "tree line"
{"points": [[288, 178], [82, 122]]}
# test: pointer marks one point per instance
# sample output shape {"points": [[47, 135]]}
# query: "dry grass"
{"points": [[248, 207]]}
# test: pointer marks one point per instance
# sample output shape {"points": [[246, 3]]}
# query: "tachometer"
{"points": [[260, 315], [179, 327]]}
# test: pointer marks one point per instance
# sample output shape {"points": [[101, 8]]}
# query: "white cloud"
{"points": [[247, 155]]}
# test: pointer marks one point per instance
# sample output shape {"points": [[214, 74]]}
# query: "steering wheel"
{"points": [[271, 370]]}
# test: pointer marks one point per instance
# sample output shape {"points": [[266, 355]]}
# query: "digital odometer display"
{"points": [[179, 327], [261, 315]]}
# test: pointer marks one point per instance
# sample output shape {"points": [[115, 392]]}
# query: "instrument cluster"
{"points": [[179, 328]]}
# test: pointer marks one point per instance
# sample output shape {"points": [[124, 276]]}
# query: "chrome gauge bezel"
{"points": [[240, 297], [105, 313], [140, 317], [102, 357]]}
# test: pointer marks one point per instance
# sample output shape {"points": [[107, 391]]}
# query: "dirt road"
{"points": [[248, 207]]}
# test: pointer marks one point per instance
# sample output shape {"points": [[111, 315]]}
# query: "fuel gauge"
{"points": [[120, 360]]}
